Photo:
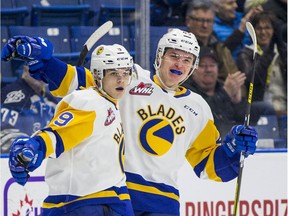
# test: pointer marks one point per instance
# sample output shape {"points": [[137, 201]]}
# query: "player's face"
{"points": [[116, 81], [175, 66], [206, 74]]}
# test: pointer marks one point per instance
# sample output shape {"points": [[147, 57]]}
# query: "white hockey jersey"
{"points": [[161, 129], [85, 145]]}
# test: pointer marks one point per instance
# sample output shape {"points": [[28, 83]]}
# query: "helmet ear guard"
{"points": [[158, 58]]}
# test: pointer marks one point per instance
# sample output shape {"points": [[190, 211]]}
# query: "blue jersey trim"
{"points": [[56, 71], [149, 201]]}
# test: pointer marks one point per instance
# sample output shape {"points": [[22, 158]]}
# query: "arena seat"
{"points": [[118, 15], [269, 133], [13, 16], [66, 15]]}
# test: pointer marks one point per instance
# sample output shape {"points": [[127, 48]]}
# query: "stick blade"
{"points": [[91, 41], [99, 33], [252, 34]]}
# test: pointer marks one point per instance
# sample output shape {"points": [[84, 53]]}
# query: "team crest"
{"points": [[110, 118], [142, 89], [160, 126], [156, 136]]}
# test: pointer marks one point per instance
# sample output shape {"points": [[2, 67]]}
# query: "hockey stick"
{"points": [[100, 32], [252, 34]]}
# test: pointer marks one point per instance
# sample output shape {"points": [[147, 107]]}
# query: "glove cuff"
{"points": [[229, 148], [39, 150], [42, 145], [46, 48]]}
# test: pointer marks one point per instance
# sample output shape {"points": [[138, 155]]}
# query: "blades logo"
{"points": [[142, 89], [110, 118]]}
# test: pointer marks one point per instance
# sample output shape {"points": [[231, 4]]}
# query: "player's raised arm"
{"points": [[37, 54]]}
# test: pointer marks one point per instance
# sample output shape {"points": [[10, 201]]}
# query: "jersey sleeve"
{"points": [[67, 129], [207, 156], [208, 159], [63, 78]]}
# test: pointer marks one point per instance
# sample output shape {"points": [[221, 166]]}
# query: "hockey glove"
{"points": [[25, 156], [240, 139], [33, 50]]}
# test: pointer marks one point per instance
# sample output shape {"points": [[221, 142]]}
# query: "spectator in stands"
{"points": [[26, 107], [270, 83], [225, 100], [279, 8], [199, 20], [230, 25]]}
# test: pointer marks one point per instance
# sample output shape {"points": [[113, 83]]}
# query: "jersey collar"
{"points": [[181, 90], [107, 97]]}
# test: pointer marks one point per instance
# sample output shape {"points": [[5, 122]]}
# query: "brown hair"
{"points": [[264, 16]]}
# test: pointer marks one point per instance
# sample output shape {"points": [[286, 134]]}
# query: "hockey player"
{"points": [[163, 123], [84, 142]]}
